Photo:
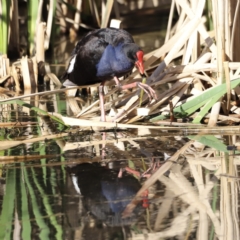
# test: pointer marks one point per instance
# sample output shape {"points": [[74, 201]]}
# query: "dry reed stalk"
{"points": [[40, 51], [77, 18], [227, 28], [219, 13], [106, 13], [15, 78], [235, 34], [88, 108], [153, 56], [73, 105], [198, 9], [14, 27], [37, 94], [176, 48], [173, 90], [55, 80], [170, 20], [35, 71], [182, 20], [182, 225], [234, 202], [203, 193], [31, 62], [39, 12], [228, 86], [4, 62], [130, 106], [203, 32], [164, 208], [49, 24], [196, 45], [96, 124], [225, 208], [95, 12], [199, 67], [175, 100], [179, 184], [197, 173], [9, 144], [75, 145], [25, 73]]}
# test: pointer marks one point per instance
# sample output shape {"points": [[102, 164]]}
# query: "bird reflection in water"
{"points": [[104, 194]]}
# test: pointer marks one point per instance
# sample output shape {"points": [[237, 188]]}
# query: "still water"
{"points": [[83, 183]]}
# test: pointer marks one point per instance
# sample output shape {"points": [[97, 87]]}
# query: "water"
{"points": [[76, 183]]}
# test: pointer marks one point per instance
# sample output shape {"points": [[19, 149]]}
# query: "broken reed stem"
{"points": [[25, 73], [170, 20], [40, 51], [51, 12], [228, 85], [218, 10]]}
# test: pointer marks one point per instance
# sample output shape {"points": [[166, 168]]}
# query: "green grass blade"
{"points": [[32, 20], [205, 109], [4, 23]]}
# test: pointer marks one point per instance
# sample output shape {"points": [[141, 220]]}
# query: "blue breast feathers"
{"points": [[113, 62]]}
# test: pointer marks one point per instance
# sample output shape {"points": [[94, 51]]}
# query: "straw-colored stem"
{"points": [[219, 13], [51, 12], [106, 13], [77, 18], [40, 52], [170, 19]]}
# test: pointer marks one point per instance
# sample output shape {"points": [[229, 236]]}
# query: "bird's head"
{"points": [[135, 55]]}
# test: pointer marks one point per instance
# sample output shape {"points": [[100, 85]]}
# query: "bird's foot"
{"points": [[147, 89]]}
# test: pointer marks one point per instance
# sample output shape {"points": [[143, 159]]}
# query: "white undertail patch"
{"points": [[75, 184], [71, 64]]}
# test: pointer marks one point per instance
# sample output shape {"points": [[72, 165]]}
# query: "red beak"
{"points": [[139, 62]]}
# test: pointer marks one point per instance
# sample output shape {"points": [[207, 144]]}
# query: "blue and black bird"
{"points": [[102, 55]]}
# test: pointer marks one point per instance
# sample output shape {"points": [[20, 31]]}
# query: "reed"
{"points": [[4, 24], [32, 23]]}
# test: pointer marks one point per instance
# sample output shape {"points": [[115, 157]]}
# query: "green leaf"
{"points": [[4, 23], [32, 19], [207, 98], [210, 141]]}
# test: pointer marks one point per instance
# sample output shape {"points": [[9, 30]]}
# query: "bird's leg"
{"points": [[117, 82], [101, 99]]}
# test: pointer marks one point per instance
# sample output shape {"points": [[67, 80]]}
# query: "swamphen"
{"points": [[104, 54], [105, 195]]}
